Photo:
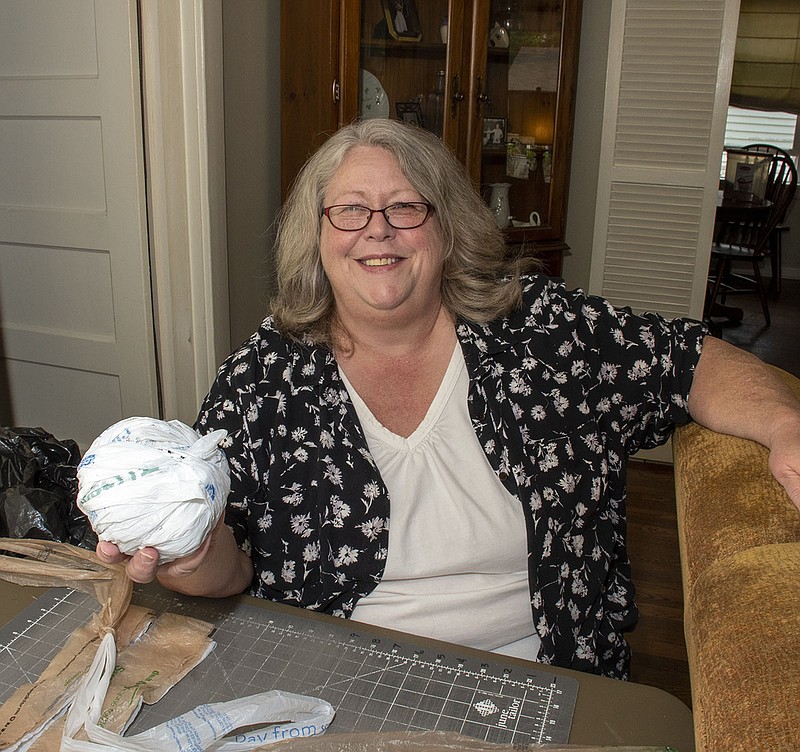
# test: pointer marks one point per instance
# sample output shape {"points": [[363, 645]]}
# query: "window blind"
{"points": [[759, 127], [766, 67]]}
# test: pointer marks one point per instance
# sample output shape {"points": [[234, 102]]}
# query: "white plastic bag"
{"points": [[147, 482], [207, 727]]}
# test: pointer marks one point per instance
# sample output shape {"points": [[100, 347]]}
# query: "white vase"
{"points": [[498, 203]]}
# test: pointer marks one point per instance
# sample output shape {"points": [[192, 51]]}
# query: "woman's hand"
{"points": [[143, 566], [784, 459], [217, 569]]}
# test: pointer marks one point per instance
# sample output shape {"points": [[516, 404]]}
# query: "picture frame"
{"points": [[410, 112], [404, 27], [494, 132]]}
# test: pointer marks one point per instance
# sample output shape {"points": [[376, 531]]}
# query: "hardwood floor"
{"points": [[659, 651], [776, 344]]}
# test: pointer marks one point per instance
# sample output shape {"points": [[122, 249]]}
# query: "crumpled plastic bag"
{"points": [[38, 487], [38, 563], [199, 729], [148, 482], [233, 726]]}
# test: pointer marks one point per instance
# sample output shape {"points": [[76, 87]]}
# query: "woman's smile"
{"points": [[380, 261]]}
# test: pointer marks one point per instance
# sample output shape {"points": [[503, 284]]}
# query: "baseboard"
{"points": [[790, 272], [661, 454]]}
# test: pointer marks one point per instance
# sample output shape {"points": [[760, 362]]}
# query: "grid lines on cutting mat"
{"points": [[374, 683]]}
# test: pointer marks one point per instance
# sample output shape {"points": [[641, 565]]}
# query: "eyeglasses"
{"points": [[402, 216]]}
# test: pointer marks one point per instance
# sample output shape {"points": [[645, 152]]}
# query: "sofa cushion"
{"points": [[742, 614]]}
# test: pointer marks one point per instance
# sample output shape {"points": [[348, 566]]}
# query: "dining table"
{"points": [[733, 206]]}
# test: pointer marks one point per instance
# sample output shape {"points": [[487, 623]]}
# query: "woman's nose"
{"points": [[378, 225]]}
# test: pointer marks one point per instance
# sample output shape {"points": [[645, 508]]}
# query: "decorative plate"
{"points": [[373, 101]]}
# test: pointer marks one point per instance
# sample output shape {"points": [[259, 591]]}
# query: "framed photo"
{"points": [[410, 112], [494, 131], [402, 20]]}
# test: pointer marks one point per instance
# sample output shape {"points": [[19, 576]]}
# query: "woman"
{"points": [[406, 360]]}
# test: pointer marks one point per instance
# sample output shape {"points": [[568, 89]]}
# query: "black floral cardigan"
{"points": [[561, 392]]}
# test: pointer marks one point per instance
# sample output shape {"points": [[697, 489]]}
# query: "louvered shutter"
{"points": [[664, 120]]}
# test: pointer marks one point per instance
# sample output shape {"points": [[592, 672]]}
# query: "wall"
{"points": [[791, 240], [251, 54], [589, 103]]}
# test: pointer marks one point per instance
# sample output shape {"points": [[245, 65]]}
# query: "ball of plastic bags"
{"points": [[147, 482]]}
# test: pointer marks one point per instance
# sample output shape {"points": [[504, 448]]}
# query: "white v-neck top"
{"points": [[457, 560]]}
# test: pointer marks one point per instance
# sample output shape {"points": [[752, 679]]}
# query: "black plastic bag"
{"points": [[38, 488]]}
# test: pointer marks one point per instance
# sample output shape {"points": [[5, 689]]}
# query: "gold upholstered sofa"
{"points": [[740, 556]]}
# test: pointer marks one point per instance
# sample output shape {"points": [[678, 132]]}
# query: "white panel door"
{"points": [[76, 321]]}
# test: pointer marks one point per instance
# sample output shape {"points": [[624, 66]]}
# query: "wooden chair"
{"points": [[775, 240], [749, 236]]}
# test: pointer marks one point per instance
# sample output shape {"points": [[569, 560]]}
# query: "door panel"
{"points": [[310, 82], [75, 301]]}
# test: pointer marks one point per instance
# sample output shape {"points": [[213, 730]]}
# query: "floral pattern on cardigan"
{"points": [[561, 393]]}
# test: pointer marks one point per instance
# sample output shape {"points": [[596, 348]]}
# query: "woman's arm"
{"points": [[734, 392], [219, 568]]}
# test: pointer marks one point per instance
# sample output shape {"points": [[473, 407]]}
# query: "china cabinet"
{"points": [[494, 79]]}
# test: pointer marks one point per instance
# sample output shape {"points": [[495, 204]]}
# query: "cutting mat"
{"points": [[375, 683]]}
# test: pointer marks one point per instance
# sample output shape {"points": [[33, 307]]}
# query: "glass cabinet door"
{"points": [[517, 98], [407, 62]]}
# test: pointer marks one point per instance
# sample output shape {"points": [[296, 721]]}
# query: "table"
{"points": [[731, 207], [607, 711]]}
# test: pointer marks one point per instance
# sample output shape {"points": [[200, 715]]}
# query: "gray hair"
{"points": [[478, 282]]}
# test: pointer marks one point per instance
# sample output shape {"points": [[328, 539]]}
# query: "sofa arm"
{"points": [[740, 558], [742, 626], [727, 499]]}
